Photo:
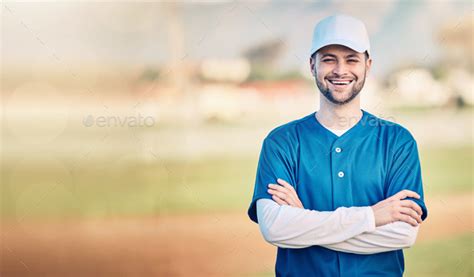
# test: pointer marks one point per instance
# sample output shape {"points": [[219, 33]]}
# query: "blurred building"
{"points": [[417, 87]]}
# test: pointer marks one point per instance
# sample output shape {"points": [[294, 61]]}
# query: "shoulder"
{"points": [[286, 137], [288, 131], [390, 130]]}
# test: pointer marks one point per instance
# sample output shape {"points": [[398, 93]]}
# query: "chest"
{"points": [[341, 173]]}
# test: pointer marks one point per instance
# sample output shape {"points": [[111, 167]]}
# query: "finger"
{"points": [[285, 184], [278, 200], [300, 204], [406, 193], [411, 220], [416, 207], [411, 213], [285, 202], [291, 190], [277, 193], [279, 188], [282, 192], [411, 204], [400, 195], [284, 196], [408, 219], [289, 193]]}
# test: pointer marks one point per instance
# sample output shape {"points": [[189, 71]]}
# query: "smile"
{"points": [[340, 82]]}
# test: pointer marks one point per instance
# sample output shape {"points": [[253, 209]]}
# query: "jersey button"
{"points": [[338, 150], [340, 174]]}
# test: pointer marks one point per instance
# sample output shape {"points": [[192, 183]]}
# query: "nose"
{"points": [[339, 69]]}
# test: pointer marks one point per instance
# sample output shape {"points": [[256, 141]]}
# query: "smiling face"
{"points": [[339, 72]]}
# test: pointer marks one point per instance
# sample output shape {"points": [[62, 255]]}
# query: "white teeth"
{"points": [[340, 83]]}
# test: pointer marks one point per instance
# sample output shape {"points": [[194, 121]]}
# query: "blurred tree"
{"points": [[263, 58], [265, 53]]}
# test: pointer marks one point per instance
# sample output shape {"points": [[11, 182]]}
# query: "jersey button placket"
{"points": [[338, 165], [338, 151]]}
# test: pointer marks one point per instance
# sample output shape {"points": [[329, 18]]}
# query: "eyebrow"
{"points": [[334, 56], [328, 55], [352, 56]]}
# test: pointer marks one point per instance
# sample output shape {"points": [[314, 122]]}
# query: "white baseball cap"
{"points": [[342, 30]]}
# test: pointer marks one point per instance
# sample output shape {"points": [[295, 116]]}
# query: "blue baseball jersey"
{"points": [[372, 161]]}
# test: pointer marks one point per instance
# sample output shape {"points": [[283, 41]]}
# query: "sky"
{"points": [[42, 34]]}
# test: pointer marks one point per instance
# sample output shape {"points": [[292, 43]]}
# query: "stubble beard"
{"points": [[357, 87]]}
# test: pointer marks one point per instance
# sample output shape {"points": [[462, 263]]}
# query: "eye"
{"points": [[328, 60], [353, 60]]}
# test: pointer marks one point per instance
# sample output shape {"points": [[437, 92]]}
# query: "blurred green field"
{"points": [[126, 188], [452, 257], [447, 170]]}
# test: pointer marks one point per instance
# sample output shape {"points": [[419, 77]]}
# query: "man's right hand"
{"points": [[395, 208]]}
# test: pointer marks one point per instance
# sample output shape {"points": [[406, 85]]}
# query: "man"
{"points": [[339, 191]]}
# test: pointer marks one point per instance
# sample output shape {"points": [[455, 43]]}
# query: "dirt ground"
{"points": [[198, 245]]}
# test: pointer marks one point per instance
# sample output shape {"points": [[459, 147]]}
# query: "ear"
{"points": [[312, 62], [368, 64]]}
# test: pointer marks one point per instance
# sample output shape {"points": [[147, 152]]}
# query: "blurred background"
{"points": [[131, 131]]}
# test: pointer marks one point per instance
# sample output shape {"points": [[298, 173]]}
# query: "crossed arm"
{"points": [[391, 224]]}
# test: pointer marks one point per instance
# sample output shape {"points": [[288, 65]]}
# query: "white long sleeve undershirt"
{"points": [[349, 230]]}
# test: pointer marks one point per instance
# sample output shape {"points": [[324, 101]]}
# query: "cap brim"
{"points": [[346, 43]]}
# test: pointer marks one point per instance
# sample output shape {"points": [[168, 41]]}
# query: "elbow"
{"points": [[410, 241], [276, 238], [267, 215], [271, 240], [408, 238], [269, 234]]}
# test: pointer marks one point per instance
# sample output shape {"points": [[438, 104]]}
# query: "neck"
{"points": [[339, 117]]}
